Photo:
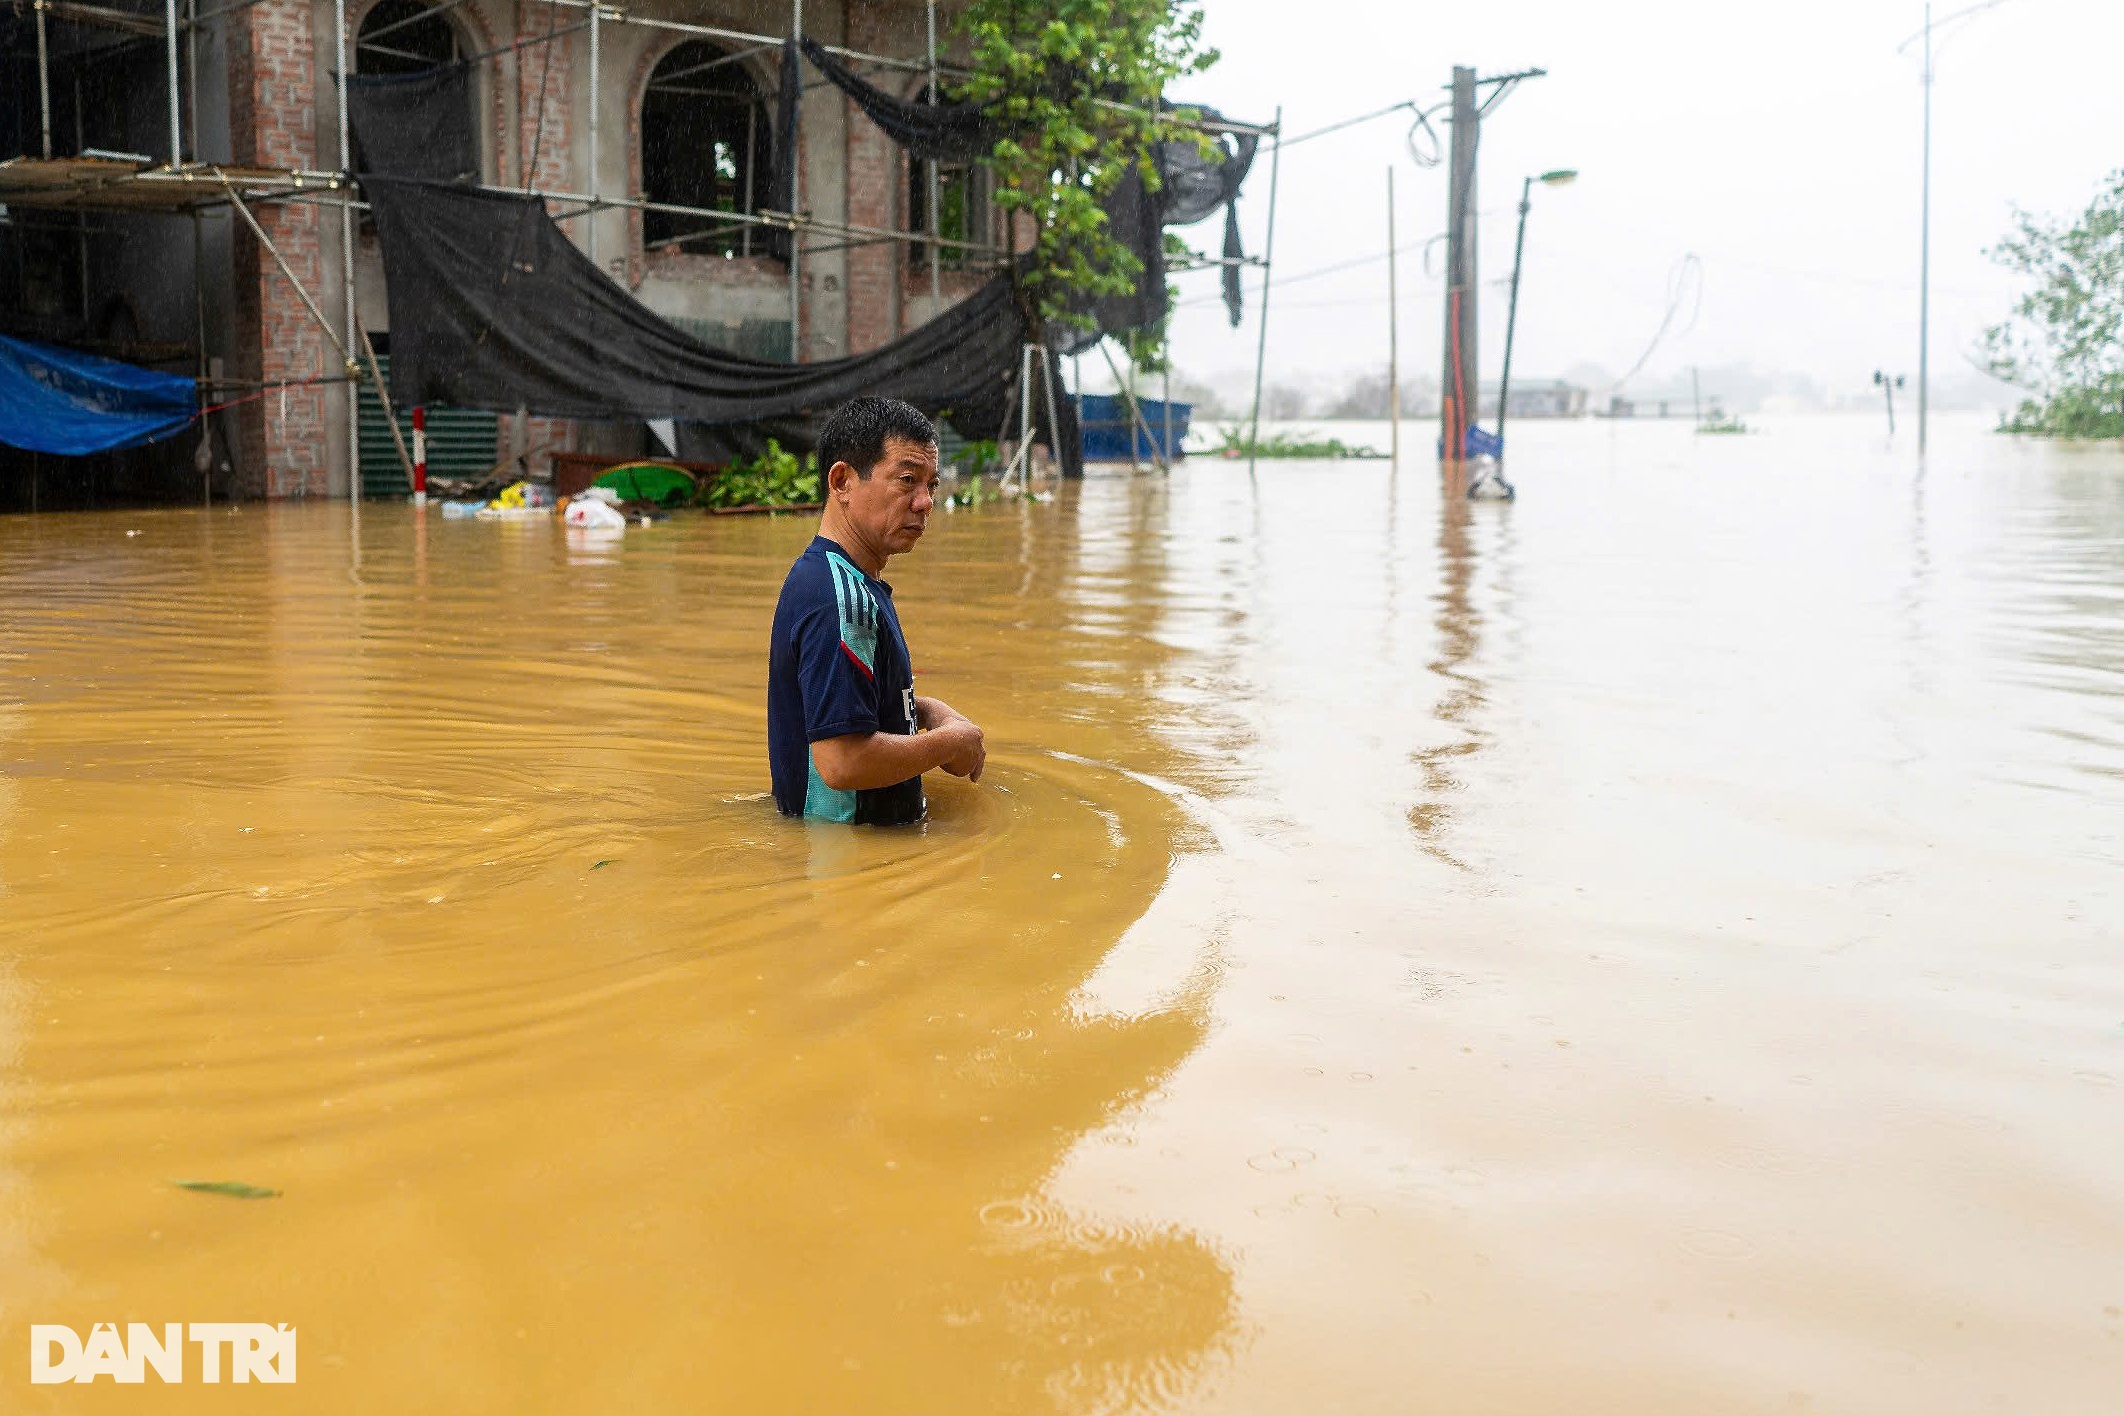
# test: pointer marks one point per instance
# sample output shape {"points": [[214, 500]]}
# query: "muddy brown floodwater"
{"points": [[1654, 948]]}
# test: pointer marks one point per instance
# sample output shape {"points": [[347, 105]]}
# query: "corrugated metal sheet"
{"points": [[461, 443]]}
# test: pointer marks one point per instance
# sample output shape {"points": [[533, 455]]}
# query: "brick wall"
{"points": [[282, 437], [545, 129], [876, 178]]}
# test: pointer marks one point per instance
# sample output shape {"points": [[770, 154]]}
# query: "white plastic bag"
{"points": [[594, 516]]}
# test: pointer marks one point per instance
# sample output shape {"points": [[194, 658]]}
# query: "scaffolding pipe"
{"points": [[1166, 393], [796, 180], [885, 61], [591, 238], [346, 280], [281, 261], [1048, 380], [432, 12], [169, 46], [1268, 259], [416, 475], [1025, 416], [935, 223], [1125, 392], [191, 81], [44, 81], [207, 393]]}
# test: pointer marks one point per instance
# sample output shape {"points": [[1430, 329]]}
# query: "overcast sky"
{"points": [[1779, 143]]}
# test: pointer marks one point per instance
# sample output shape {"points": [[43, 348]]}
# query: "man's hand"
{"points": [[968, 754]]}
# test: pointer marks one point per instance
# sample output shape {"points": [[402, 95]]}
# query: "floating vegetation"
{"points": [[977, 459], [973, 491], [603, 863], [235, 1189], [774, 478], [1721, 423], [1234, 442]]}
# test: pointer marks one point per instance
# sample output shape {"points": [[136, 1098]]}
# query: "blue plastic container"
{"points": [[1108, 428]]}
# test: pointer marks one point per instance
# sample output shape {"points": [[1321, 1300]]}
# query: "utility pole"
{"points": [[1393, 333], [1460, 376], [1924, 257], [1459, 387]]}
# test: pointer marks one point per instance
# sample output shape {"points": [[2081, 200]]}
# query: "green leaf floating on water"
{"points": [[235, 1188], [603, 863]]}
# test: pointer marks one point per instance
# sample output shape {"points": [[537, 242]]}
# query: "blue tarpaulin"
{"points": [[1478, 444], [60, 401]]}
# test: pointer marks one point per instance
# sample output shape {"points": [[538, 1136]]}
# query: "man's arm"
{"points": [[861, 762], [934, 713]]}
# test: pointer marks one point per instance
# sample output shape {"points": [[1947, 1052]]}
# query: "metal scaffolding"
{"points": [[93, 181]]}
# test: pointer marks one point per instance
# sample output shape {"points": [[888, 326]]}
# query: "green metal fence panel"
{"points": [[461, 443]]}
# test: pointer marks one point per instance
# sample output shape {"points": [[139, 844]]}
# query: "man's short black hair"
{"points": [[856, 432]]}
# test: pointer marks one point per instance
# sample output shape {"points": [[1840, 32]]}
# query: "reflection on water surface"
{"points": [[1653, 947]]}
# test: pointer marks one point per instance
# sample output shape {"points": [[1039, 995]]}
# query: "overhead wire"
{"points": [[1686, 279]]}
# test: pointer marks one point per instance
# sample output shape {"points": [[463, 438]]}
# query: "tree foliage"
{"points": [[2065, 342], [1078, 84]]}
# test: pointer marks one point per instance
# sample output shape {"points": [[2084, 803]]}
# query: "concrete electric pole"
{"points": [[1459, 395], [1460, 378]]}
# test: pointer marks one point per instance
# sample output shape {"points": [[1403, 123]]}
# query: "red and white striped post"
{"points": [[420, 455]]}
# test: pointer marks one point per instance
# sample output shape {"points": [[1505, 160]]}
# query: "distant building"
{"points": [[1538, 398]]}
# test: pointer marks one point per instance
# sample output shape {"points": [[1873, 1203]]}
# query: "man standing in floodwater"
{"points": [[846, 737]]}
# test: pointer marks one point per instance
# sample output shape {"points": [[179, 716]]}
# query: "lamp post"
{"points": [[1888, 386], [1932, 27], [1560, 177]]}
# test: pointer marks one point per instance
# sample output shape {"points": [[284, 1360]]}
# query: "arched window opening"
{"points": [[705, 144], [405, 37], [964, 209]]}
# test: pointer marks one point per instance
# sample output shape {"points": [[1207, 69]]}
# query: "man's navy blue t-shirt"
{"points": [[838, 665]]}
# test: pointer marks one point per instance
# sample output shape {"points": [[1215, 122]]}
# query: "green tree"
{"points": [[2065, 342], [1078, 84]]}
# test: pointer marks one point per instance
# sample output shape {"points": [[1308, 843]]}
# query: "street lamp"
{"points": [[1562, 176], [1924, 387], [1888, 386]]}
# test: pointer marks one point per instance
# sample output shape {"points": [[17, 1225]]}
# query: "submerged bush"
{"points": [[2096, 411], [2065, 342], [774, 478], [1235, 442]]}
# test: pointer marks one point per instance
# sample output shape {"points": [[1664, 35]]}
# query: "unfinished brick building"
{"points": [[140, 155]]}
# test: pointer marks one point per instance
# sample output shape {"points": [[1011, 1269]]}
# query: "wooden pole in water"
{"points": [[1393, 334], [1268, 270], [383, 398], [44, 82]]}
